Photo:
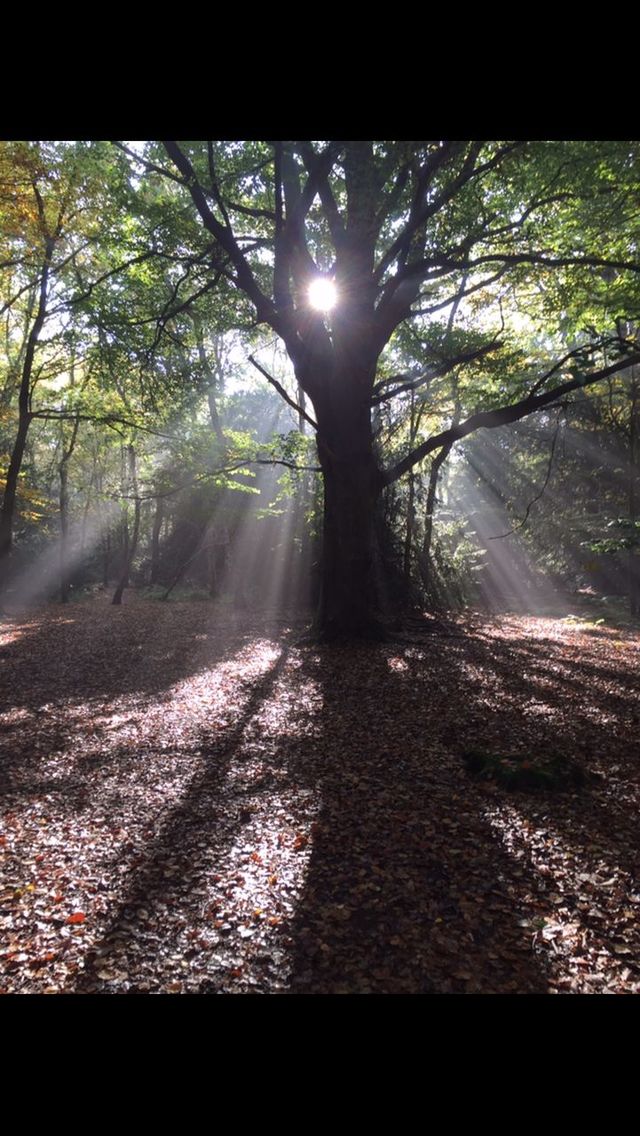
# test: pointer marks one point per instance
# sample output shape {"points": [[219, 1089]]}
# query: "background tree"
{"points": [[57, 220]]}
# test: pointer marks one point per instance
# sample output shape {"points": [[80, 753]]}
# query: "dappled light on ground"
{"points": [[199, 804], [584, 911]]}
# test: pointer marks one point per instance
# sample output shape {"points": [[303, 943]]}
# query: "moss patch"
{"points": [[528, 772]]}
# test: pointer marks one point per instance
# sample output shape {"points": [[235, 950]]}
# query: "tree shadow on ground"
{"points": [[332, 795], [98, 651], [411, 887], [65, 671], [147, 933], [407, 891]]}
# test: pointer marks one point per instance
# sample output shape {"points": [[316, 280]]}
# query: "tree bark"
{"points": [[349, 598], [7, 513]]}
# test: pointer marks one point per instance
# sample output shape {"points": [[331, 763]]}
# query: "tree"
{"points": [[405, 230], [59, 204]]}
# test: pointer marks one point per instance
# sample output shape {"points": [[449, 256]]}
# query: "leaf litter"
{"points": [[198, 804]]}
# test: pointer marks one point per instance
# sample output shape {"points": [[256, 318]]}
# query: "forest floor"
{"points": [[198, 803]]}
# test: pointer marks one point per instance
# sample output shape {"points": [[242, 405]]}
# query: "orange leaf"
{"points": [[77, 917]]}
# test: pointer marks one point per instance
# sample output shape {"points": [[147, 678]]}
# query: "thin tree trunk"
{"points": [[64, 532], [63, 470], [155, 539], [214, 377], [634, 570], [408, 539], [427, 571], [411, 512], [85, 511], [426, 562], [106, 558], [200, 546], [7, 513], [133, 542]]}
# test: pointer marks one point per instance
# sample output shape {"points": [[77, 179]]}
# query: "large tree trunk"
{"points": [[349, 598]]}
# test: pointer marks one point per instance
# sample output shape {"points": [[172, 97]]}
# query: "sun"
{"points": [[323, 294]]}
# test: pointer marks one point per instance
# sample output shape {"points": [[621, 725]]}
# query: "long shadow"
{"points": [[559, 678], [409, 889], [176, 863], [596, 710], [97, 651], [406, 891], [63, 666]]}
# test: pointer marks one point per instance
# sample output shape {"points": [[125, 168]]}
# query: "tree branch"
{"points": [[282, 392], [489, 419], [49, 414], [225, 237], [435, 373]]}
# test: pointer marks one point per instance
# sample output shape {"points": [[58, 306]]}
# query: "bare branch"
{"points": [[149, 165], [282, 392], [49, 414]]}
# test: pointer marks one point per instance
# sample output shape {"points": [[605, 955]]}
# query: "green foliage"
{"points": [[628, 539], [149, 326]]}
